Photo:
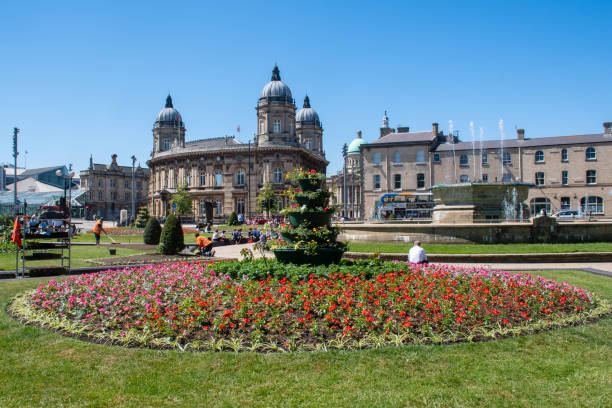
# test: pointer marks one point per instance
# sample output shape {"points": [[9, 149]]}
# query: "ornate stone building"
{"points": [[226, 171], [108, 188]]}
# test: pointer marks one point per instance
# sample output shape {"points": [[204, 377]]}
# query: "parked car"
{"points": [[568, 214]]}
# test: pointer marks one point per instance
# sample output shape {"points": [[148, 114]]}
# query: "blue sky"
{"points": [[83, 78]]}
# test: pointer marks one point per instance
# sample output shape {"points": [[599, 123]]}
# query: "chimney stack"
{"points": [[403, 129], [607, 127], [520, 134], [434, 127]]}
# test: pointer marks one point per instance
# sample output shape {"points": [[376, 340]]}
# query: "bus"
{"points": [[407, 206]]}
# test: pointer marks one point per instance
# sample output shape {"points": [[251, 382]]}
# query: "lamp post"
{"points": [[133, 192], [344, 153], [15, 154]]}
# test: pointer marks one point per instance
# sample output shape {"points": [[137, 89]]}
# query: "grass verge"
{"points": [[566, 367]]}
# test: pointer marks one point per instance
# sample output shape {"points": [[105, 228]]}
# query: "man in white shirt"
{"points": [[417, 254]]}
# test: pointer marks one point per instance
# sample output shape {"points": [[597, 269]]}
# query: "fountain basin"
{"points": [[473, 202]]}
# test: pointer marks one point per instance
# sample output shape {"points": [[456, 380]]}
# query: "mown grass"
{"points": [[481, 248], [568, 367], [124, 239], [79, 257]]}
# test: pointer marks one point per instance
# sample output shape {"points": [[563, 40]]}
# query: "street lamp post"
{"points": [[15, 154], [344, 153], [133, 192]]}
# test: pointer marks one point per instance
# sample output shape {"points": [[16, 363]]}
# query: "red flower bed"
{"points": [[189, 305]]}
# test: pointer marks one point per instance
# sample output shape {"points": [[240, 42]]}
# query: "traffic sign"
{"points": [[173, 205]]}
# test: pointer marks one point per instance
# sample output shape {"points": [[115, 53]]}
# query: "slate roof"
{"points": [[405, 137], [214, 143], [535, 142], [34, 172]]}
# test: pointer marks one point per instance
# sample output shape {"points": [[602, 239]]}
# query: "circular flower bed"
{"points": [[200, 306]]}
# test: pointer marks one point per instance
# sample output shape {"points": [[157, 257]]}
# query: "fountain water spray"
{"points": [[473, 149], [450, 131], [501, 131], [481, 137]]}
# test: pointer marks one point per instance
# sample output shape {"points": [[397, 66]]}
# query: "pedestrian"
{"points": [[98, 229], [417, 254], [204, 245]]}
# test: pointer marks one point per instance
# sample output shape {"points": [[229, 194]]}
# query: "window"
{"points": [[539, 156], [591, 177], [276, 126], [397, 181], [111, 182], [278, 176], [188, 179], [376, 158], [565, 203], [262, 127], [436, 157], [464, 178], [240, 206], [485, 159], [138, 195], [218, 179], [126, 183], [420, 156], [308, 144], [376, 181], [507, 177], [166, 144], [127, 196], [595, 204], [218, 207], [203, 207], [463, 160], [507, 159], [100, 196], [139, 185], [202, 179], [240, 177], [563, 155], [564, 177], [539, 178], [397, 157], [536, 205], [420, 180], [590, 153], [99, 182], [485, 178], [91, 195], [113, 195]]}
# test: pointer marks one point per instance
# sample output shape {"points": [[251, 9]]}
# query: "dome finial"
{"points": [[385, 121], [275, 73], [169, 102], [306, 102]]}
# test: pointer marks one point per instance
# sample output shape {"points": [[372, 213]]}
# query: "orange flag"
{"points": [[16, 235]]}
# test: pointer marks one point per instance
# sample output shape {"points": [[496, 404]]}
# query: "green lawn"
{"points": [[79, 257], [481, 248], [124, 239], [568, 367]]}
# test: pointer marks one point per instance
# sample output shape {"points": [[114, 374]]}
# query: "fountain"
{"points": [[467, 203]]}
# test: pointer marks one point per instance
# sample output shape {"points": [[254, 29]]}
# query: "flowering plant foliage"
{"points": [[297, 174], [210, 306]]}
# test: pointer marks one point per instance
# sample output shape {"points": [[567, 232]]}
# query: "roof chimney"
{"points": [[403, 129], [607, 127], [434, 127], [520, 134]]}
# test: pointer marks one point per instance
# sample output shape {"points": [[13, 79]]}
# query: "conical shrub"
{"points": [[152, 231], [233, 219], [172, 240]]}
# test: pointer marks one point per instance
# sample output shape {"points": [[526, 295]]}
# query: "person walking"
{"points": [[417, 254], [98, 229]]}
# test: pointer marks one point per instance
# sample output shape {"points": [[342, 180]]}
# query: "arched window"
{"points": [[536, 205], [397, 157], [278, 176], [240, 177], [376, 158], [595, 205], [563, 155], [539, 156], [218, 178], [202, 178], [463, 160], [420, 156], [590, 153]]}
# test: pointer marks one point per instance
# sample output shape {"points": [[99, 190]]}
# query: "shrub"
{"points": [[142, 217], [233, 219], [172, 240], [152, 232]]}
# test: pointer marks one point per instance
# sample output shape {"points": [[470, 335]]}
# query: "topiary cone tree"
{"points": [[172, 239], [152, 232], [309, 237]]}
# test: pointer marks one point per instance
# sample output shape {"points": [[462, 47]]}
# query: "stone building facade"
{"points": [[228, 172], [569, 172], [108, 188]]}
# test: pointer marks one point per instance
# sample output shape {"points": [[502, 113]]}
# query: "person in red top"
{"points": [[16, 235], [204, 245], [98, 229]]}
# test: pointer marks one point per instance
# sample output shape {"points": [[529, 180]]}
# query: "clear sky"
{"points": [[86, 77]]}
